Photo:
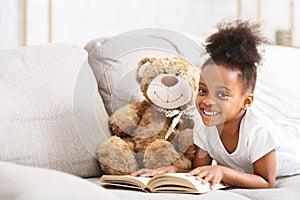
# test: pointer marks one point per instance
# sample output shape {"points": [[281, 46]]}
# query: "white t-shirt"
{"points": [[258, 136]]}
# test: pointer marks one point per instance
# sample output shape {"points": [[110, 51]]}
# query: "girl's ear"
{"points": [[248, 101]]}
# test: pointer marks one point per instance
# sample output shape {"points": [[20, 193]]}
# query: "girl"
{"points": [[250, 150]]}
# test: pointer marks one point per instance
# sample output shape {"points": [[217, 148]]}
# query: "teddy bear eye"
{"points": [[177, 74], [165, 72]]}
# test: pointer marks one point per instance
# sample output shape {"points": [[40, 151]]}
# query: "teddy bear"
{"points": [[158, 130]]}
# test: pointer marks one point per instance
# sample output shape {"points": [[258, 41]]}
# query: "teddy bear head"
{"points": [[168, 82]]}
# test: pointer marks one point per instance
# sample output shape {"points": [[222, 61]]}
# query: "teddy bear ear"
{"points": [[142, 66], [145, 60]]}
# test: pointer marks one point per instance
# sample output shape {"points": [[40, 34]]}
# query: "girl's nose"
{"points": [[169, 81], [208, 101]]}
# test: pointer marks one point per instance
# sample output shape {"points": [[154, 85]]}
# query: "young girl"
{"points": [[250, 150]]}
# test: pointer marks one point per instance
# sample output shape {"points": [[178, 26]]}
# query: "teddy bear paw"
{"points": [[116, 157]]}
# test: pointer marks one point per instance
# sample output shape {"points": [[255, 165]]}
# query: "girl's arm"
{"points": [[264, 174], [201, 158]]}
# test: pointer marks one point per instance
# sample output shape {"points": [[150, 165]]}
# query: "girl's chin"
{"points": [[208, 123], [212, 122]]}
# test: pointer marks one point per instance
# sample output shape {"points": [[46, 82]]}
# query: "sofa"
{"points": [[56, 100]]}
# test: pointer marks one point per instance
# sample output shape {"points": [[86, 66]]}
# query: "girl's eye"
{"points": [[201, 91], [222, 94]]}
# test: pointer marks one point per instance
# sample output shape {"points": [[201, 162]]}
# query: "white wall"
{"points": [[79, 21], [88, 19], [10, 23]]}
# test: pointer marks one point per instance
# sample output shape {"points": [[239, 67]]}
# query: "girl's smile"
{"points": [[210, 113]]}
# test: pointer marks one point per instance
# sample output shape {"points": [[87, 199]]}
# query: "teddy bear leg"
{"points": [[116, 157], [162, 153]]}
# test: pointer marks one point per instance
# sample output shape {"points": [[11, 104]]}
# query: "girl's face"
{"points": [[220, 99]]}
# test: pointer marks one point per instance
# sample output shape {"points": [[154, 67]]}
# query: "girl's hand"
{"points": [[212, 174], [152, 172]]}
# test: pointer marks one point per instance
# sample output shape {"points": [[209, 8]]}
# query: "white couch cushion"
{"points": [[48, 118], [29, 183]]}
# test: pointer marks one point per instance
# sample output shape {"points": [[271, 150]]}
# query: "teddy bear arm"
{"points": [[125, 119], [184, 142]]}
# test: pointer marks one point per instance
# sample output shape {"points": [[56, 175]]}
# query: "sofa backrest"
{"points": [[51, 113], [277, 92]]}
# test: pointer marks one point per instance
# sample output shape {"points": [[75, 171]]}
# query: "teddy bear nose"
{"points": [[169, 81]]}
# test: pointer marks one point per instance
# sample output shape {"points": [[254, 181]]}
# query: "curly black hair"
{"points": [[234, 46]]}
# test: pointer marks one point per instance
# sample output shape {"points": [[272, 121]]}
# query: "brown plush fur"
{"points": [[140, 129]]}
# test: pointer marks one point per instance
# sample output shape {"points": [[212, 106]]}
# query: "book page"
{"points": [[179, 182], [124, 180]]}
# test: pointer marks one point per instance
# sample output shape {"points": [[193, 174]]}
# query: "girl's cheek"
{"points": [[198, 102]]}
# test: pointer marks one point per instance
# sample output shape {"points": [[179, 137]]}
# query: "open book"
{"points": [[169, 182]]}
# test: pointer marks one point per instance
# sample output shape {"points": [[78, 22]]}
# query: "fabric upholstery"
{"points": [[43, 119]]}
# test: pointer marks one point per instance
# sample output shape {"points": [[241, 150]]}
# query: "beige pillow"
{"points": [[51, 116], [114, 60]]}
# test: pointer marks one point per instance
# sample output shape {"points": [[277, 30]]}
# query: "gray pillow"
{"points": [[114, 60], [51, 113]]}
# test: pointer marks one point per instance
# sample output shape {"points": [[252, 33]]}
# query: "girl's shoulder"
{"points": [[256, 121]]}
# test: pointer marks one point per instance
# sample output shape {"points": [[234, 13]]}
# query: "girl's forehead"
{"points": [[219, 76]]}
